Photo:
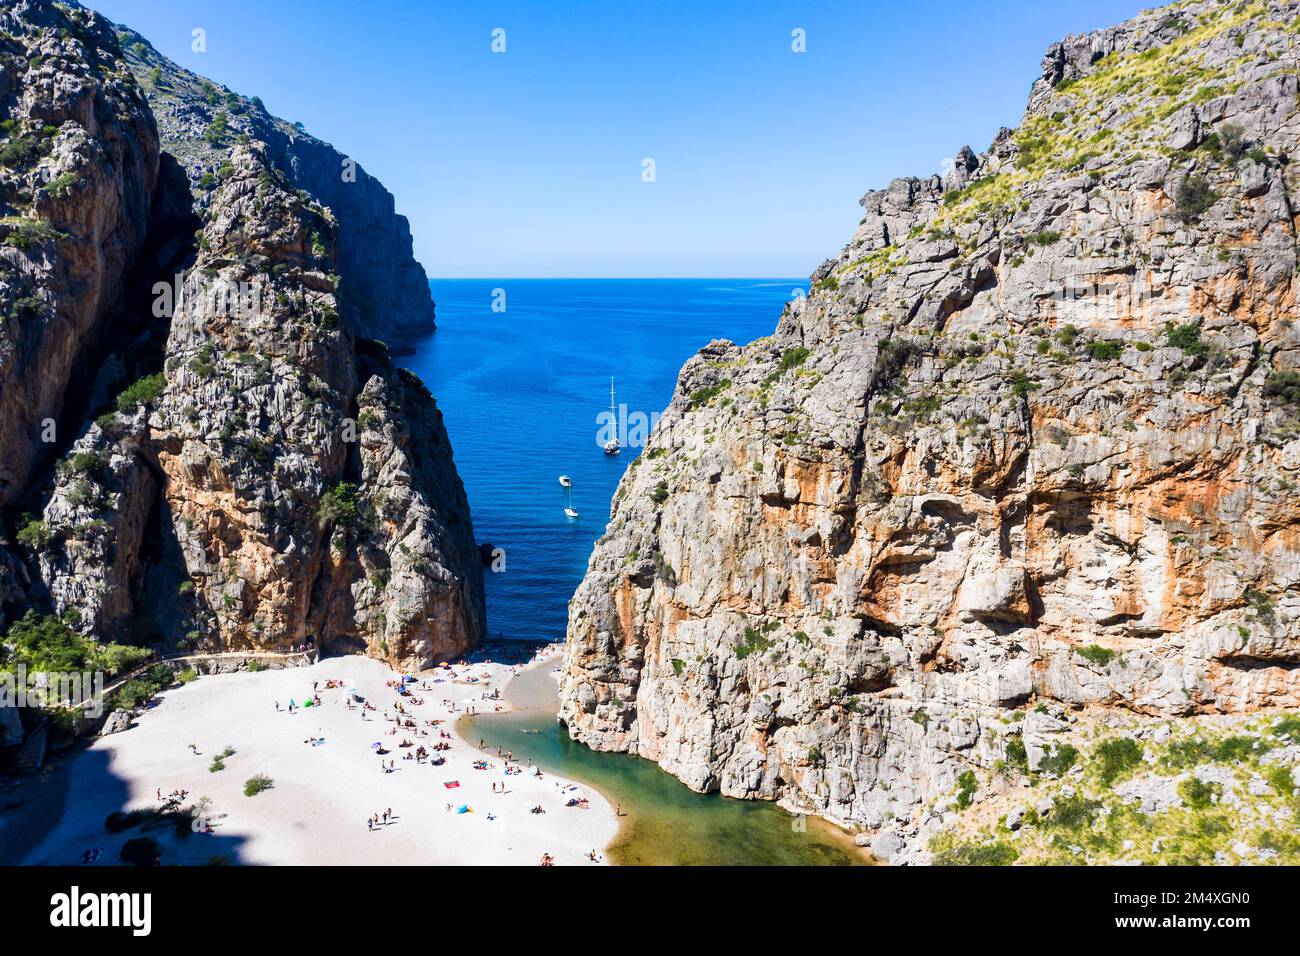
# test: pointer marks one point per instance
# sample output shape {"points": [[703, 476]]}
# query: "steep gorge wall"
{"points": [[387, 292], [79, 167], [271, 476], [1033, 436]]}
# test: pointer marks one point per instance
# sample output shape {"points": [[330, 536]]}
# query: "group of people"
{"points": [[381, 819], [405, 721]]}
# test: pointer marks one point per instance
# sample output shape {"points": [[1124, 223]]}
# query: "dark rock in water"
{"points": [[486, 553]]}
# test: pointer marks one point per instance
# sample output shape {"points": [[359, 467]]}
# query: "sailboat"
{"points": [[569, 510], [611, 446]]}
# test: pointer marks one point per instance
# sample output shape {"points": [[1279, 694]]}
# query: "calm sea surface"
{"points": [[521, 390]]}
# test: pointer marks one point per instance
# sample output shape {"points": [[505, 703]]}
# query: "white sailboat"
{"points": [[569, 510], [611, 446]]}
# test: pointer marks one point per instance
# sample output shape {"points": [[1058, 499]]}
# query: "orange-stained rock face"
{"points": [[1029, 439], [348, 538], [270, 477]]}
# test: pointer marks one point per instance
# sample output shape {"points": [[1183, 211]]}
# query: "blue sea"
{"points": [[522, 388]]}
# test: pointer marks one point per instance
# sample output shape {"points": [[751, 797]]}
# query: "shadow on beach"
{"points": [[52, 816]]}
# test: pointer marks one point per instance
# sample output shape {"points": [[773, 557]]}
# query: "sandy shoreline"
{"points": [[316, 813]]}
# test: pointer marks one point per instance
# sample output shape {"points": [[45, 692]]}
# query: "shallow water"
{"points": [[666, 823]]}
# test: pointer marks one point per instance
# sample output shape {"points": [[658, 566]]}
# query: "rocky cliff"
{"points": [[1022, 462], [201, 445], [387, 293]]}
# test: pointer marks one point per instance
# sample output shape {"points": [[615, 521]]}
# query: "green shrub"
{"points": [[1116, 757], [1233, 140], [1284, 388], [20, 152], [1187, 752], [1017, 756], [966, 787], [794, 357], [1105, 350], [1193, 197], [1022, 385], [46, 643], [24, 233], [1288, 727], [1072, 813], [755, 641], [1261, 604], [1235, 749], [1199, 795], [1068, 334], [217, 129], [144, 391], [63, 185], [256, 784], [132, 694], [999, 853], [33, 533], [660, 493], [341, 505], [892, 357], [1101, 656], [702, 396], [1186, 337], [1058, 761], [1045, 238]]}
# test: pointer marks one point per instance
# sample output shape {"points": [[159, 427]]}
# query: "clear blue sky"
{"points": [[528, 163]]}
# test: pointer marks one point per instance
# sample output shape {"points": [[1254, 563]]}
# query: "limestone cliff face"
{"points": [[1033, 435], [78, 165], [387, 293], [236, 465]]}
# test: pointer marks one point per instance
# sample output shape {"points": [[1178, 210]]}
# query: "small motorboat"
{"points": [[566, 481]]}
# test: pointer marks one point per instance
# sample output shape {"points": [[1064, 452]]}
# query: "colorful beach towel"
{"points": [[452, 784]]}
